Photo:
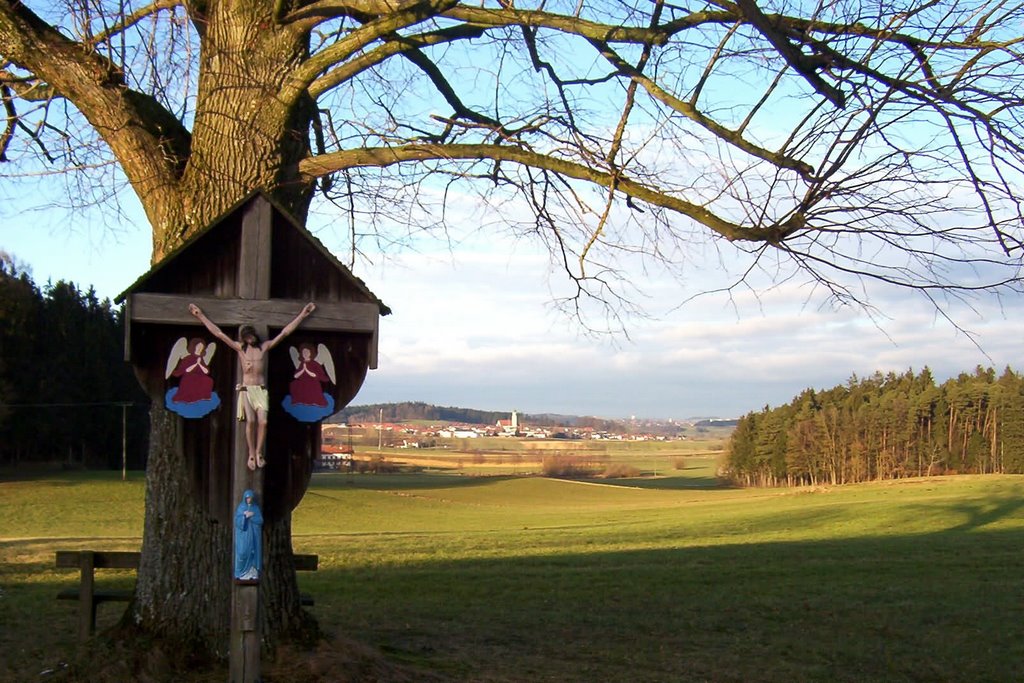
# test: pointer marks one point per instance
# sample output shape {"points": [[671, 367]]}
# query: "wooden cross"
{"points": [[251, 304]]}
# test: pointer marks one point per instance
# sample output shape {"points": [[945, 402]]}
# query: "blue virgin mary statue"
{"points": [[248, 538]]}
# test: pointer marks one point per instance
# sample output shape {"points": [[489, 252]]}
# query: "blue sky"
{"points": [[475, 328]]}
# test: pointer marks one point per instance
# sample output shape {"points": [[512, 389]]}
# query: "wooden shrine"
{"points": [[253, 266], [250, 273]]}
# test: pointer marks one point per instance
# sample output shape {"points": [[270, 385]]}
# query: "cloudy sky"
{"points": [[476, 328]]}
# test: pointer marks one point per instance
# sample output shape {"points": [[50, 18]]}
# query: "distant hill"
{"points": [[417, 410], [715, 422]]}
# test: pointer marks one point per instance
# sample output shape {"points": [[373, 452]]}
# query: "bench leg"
{"points": [[86, 603]]}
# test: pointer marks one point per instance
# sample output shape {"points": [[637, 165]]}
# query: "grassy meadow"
{"points": [[505, 578], [501, 455]]}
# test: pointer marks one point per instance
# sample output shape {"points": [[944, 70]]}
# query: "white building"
{"points": [[509, 427]]}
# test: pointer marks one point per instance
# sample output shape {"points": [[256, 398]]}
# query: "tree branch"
{"points": [[345, 71], [151, 144], [448, 93], [359, 38], [27, 88], [380, 157], [313, 13], [691, 112], [610, 33], [11, 118], [800, 62], [129, 20]]}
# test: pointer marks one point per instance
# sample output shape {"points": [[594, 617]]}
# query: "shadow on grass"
{"points": [[944, 606], [403, 482], [669, 483], [987, 512], [437, 479], [53, 479], [940, 606]]}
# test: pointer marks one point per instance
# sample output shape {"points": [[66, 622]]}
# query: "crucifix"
{"points": [[253, 398], [257, 272]]}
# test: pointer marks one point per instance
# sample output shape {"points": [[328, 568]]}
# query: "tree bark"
{"points": [[183, 589], [245, 135]]}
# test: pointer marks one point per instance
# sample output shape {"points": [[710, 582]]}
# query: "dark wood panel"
{"points": [[254, 252], [329, 316]]}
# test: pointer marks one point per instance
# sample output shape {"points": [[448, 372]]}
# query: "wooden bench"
{"points": [[88, 561]]}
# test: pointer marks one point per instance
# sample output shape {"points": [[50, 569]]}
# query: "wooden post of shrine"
{"points": [[253, 285]]}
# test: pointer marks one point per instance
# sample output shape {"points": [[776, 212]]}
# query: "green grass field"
{"points": [[532, 579], [496, 456]]}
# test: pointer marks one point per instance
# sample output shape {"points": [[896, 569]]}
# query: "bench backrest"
{"points": [[123, 559], [103, 559]]}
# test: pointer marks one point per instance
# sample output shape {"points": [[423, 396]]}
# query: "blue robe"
{"points": [[248, 539]]}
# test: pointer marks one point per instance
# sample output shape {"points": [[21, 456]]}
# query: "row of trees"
{"points": [[885, 427], [416, 410], [65, 391]]}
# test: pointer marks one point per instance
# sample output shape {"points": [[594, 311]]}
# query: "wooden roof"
{"points": [[310, 259]]}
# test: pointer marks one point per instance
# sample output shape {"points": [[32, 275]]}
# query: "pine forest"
{"points": [[66, 393], [885, 427]]}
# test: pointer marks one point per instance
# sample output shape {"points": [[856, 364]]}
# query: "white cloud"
{"points": [[479, 333]]}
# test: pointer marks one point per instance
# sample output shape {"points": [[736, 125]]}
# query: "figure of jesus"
{"points": [[253, 399]]}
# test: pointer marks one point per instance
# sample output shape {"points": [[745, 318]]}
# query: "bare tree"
{"points": [[848, 141]]}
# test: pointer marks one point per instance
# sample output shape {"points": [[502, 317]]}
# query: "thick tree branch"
{"points": [[357, 65], [28, 88], [380, 157], [658, 35], [11, 116], [509, 16], [150, 142], [791, 25], [312, 13], [360, 38], [801, 63]]}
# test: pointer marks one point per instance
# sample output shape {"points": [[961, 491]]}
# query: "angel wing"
{"points": [[211, 349], [325, 359], [294, 353], [178, 351]]}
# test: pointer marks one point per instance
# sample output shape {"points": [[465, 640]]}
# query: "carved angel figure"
{"points": [[189, 361], [314, 367]]}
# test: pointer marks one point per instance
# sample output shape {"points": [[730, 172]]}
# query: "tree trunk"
{"points": [[183, 593], [248, 133], [244, 138]]}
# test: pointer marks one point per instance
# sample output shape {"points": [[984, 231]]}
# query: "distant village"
{"points": [[338, 437]]}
